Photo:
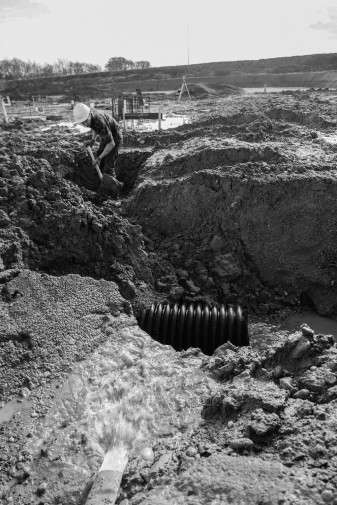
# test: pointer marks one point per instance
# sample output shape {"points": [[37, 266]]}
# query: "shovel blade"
{"points": [[111, 185]]}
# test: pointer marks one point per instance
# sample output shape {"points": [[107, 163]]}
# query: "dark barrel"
{"points": [[206, 327]]}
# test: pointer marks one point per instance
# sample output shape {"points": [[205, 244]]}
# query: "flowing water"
{"points": [[128, 393], [319, 324]]}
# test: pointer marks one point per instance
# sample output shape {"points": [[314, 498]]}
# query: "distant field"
{"points": [[318, 71]]}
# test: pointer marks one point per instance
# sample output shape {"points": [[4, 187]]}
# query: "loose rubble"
{"points": [[236, 206]]}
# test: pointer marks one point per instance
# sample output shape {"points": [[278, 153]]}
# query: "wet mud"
{"points": [[237, 206]]}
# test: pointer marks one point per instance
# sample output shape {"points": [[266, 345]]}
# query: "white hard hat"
{"points": [[81, 112]]}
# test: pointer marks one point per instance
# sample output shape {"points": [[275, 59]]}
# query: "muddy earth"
{"points": [[236, 206]]}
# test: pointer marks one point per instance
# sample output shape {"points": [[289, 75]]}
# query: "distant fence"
{"points": [[37, 107]]}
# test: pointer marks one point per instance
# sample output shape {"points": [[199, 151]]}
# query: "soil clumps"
{"points": [[236, 206]]}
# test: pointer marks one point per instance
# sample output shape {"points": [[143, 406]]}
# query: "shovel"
{"points": [[108, 182]]}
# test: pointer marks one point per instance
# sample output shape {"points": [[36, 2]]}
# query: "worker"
{"points": [[109, 131]]}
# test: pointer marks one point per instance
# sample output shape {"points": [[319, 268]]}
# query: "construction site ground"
{"points": [[238, 206]]}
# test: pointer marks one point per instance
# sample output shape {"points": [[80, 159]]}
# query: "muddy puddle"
{"points": [[273, 89], [12, 407], [75, 128], [320, 325], [166, 123], [266, 332]]}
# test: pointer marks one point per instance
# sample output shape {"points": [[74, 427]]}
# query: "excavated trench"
{"points": [[237, 207]]}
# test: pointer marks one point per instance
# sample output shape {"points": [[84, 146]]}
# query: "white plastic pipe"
{"points": [[106, 485]]}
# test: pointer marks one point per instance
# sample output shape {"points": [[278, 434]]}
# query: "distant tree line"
{"points": [[119, 63], [18, 69]]}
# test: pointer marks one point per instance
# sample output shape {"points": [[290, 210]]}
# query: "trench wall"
{"points": [[287, 227]]}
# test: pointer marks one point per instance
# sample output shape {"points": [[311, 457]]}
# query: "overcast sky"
{"points": [[162, 31]]}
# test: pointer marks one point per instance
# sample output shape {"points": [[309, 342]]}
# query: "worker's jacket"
{"points": [[106, 127]]}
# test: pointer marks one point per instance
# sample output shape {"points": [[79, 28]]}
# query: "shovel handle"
{"points": [[93, 159]]}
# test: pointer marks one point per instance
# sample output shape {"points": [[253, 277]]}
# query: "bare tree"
{"points": [[143, 64], [118, 63], [17, 69]]}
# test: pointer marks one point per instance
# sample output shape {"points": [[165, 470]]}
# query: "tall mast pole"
{"points": [[188, 48]]}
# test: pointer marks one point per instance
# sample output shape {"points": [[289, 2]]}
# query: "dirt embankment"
{"points": [[316, 70], [237, 206], [256, 186], [91, 86]]}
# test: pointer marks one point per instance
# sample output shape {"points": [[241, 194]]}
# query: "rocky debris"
{"points": [[147, 454], [307, 331], [236, 207], [268, 411], [238, 444], [49, 223], [232, 166], [77, 428], [262, 423], [227, 479], [229, 361], [230, 180]]}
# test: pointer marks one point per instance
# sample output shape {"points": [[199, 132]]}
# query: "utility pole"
{"points": [[188, 48], [3, 108]]}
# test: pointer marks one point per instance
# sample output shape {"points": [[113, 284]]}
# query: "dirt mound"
{"points": [[235, 183], [42, 315], [204, 90], [236, 206], [200, 90], [223, 89]]}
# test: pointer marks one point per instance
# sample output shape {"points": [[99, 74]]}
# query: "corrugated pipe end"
{"points": [[203, 326]]}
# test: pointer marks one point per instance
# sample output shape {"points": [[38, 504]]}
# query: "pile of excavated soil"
{"points": [[237, 206], [250, 188]]}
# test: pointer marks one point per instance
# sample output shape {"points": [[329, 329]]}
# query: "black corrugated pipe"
{"points": [[203, 326]]}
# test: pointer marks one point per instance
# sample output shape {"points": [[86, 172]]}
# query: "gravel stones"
{"points": [[239, 444], [306, 330], [148, 454], [312, 381], [41, 489], [329, 378], [302, 394], [191, 451], [286, 383], [250, 408], [235, 479], [229, 360], [53, 322], [262, 423], [4, 219], [327, 495], [301, 348]]}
